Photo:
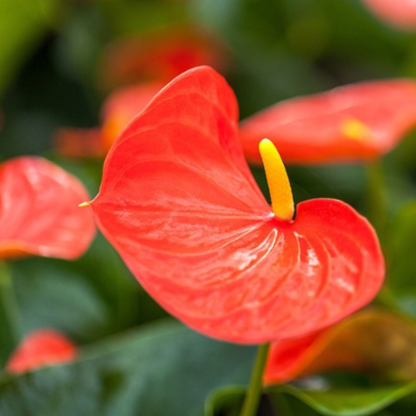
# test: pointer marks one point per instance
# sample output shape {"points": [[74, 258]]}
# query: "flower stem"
{"points": [[251, 402], [376, 196], [9, 317]]}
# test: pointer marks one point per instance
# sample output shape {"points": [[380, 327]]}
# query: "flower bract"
{"points": [[178, 202], [39, 212], [400, 14], [118, 109], [353, 123], [40, 348]]}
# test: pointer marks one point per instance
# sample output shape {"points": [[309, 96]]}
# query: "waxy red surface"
{"points": [[41, 348], [39, 212], [314, 129], [180, 205], [398, 13]]}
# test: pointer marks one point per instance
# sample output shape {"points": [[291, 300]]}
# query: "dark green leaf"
{"points": [[164, 370]]}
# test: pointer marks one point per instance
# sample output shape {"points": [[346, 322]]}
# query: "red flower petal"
{"points": [[118, 110], [179, 204], [41, 348], [39, 211], [122, 106], [76, 142], [159, 56], [372, 340], [401, 14], [355, 122]]}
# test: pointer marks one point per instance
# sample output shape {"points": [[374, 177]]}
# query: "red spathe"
{"points": [[39, 212], [41, 348], [180, 205], [315, 129]]}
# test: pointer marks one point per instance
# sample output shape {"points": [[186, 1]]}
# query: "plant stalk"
{"points": [[376, 196], [252, 399], [9, 316]]}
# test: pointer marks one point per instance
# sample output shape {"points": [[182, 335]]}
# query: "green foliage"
{"points": [[24, 24], [126, 376]]}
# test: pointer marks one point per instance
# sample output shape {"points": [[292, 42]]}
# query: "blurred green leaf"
{"points": [[349, 402], [226, 401], [23, 24], [164, 370], [401, 258], [53, 296], [127, 17]]}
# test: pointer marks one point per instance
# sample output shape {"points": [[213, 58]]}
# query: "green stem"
{"points": [[251, 402], [9, 317], [376, 196]]}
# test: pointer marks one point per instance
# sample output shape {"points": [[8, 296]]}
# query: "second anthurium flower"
{"points": [[39, 212], [180, 205]]}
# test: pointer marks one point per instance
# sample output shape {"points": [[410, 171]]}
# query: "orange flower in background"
{"points": [[351, 123], [79, 143], [39, 212], [180, 205], [122, 106], [398, 13], [147, 62], [118, 110], [374, 341], [39, 349], [159, 55]]}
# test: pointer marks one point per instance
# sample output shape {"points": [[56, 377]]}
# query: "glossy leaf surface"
{"points": [[351, 123], [179, 204], [39, 212], [41, 348], [371, 341], [401, 14]]}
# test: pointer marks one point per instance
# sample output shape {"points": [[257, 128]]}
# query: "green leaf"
{"points": [[23, 24], [349, 401], [225, 401], [51, 295], [165, 369], [401, 259]]}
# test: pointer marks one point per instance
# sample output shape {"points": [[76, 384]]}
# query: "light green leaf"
{"points": [[349, 401]]}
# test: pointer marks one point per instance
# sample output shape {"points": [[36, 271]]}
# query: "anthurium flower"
{"points": [[351, 123], [372, 340], [178, 202], [401, 14], [118, 109], [41, 348], [39, 212], [159, 55]]}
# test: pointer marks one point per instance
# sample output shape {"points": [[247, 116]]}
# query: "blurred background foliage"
{"points": [[54, 55]]}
